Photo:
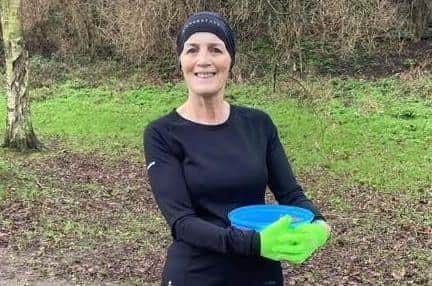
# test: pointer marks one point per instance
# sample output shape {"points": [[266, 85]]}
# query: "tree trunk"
{"points": [[19, 131], [421, 13]]}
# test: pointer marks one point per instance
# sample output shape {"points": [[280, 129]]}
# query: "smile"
{"points": [[205, 74]]}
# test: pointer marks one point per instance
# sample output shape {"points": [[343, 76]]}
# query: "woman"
{"points": [[208, 157]]}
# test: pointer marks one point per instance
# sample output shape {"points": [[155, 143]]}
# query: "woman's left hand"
{"points": [[316, 234], [319, 230]]}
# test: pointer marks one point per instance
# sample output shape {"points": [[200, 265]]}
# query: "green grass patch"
{"points": [[16, 183], [99, 118], [377, 133], [374, 132], [381, 135]]}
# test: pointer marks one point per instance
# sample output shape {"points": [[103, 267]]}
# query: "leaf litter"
{"points": [[97, 221]]}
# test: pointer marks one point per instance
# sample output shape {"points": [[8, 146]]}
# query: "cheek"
{"points": [[184, 64], [186, 72], [225, 64], [224, 67]]}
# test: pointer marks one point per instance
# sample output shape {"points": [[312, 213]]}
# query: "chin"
{"points": [[206, 92]]}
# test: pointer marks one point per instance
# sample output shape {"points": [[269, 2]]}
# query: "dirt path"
{"points": [[10, 276], [5, 270]]}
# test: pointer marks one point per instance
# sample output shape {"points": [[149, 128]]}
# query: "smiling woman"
{"points": [[206, 50], [208, 157]]}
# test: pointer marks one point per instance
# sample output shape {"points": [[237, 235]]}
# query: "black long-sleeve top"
{"points": [[199, 173]]}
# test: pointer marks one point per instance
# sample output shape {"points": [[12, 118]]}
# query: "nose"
{"points": [[203, 58]]}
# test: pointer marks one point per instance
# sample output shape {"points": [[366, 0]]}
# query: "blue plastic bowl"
{"points": [[257, 217]]}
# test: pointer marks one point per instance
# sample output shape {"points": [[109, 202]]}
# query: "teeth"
{"points": [[205, 74]]}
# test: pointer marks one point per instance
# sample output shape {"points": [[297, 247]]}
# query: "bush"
{"points": [[139, 32]]}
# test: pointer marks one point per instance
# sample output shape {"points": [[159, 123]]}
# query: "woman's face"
{"points": [[205, 63]]}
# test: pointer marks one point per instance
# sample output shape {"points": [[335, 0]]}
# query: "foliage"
{"points": [[145, 35]]}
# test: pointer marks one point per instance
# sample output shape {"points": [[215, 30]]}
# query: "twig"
{"points": [[274, 9], [274, 77], [300, 84]]}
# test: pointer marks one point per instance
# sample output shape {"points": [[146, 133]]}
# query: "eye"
{"points": [[191, 50], [216, 50]]}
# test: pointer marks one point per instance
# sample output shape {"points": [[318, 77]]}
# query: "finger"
{"points": [[304, 228], [296, 259], [292, 249], [292, 237], [300, 258], [299, 238], [299, 248], [285, 220], [281, 223], [276, 227]]}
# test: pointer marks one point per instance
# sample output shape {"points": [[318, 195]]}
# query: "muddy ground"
{"points": [[90, 219]]}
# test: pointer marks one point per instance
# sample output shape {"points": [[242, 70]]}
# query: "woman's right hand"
{"points": [[279, 241]]}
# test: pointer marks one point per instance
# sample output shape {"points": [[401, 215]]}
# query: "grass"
{"points": [[378, 133], [17, 183], [375, 133]]}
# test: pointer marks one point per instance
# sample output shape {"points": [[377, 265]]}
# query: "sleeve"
{"points": [[281, 179], [172, 196]]}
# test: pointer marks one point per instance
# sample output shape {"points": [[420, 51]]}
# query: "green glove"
{"points": [[279, 241], [314, 235], [316, 230], [300, 246]]}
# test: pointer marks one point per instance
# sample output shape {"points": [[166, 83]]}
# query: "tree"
{"points": [[421, 14], [19, 131]]}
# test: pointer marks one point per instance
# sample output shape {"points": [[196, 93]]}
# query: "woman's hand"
{"points": [[279, 241], [319, 230], [315, 235]]}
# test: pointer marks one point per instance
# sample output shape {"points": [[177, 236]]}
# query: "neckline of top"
{"points": [[203, 125]]}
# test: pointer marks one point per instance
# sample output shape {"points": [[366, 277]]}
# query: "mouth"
{"points": [[205, 74]]}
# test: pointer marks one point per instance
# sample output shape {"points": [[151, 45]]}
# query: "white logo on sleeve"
{"points": [[152, 163]]}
